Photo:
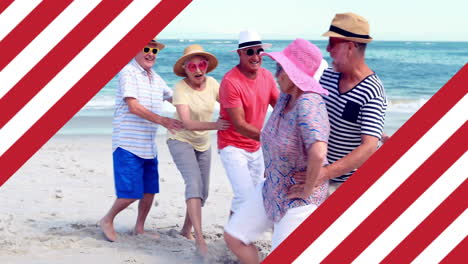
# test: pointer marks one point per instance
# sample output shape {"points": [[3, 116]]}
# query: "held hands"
{"points": [[300, 191], [300, 179], [222, 124], [172, 125]]}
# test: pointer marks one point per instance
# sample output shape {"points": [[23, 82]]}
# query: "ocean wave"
{"points": [[405, 105], [401, 105], [220, 42], [101, 102]]}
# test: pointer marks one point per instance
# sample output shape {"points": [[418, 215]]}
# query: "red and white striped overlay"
{"points": [[408, 203], [56, 55]]}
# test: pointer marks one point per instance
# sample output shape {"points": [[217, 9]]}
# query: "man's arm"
{"points": [[237, 117], [351, 161], [137, 109], [317, 153], [184, 113], [169, 99]]}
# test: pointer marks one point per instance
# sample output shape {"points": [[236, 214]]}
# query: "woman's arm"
{"points": [[315, 156], [184, 113]]}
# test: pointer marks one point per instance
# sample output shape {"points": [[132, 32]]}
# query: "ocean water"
{"points": [[411, 72]]}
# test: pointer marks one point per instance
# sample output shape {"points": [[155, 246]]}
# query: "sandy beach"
{"points": [[51, 206]]}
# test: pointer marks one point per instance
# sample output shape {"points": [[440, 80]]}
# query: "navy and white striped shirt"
{"points": [[359, 111]]}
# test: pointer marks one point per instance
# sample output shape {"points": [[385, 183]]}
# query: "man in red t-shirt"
{"points": [[245, 93]]}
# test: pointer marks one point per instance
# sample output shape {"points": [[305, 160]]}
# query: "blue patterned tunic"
{"points": [[285, 141]]}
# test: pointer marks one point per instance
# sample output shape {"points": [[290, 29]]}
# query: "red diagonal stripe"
{"points": [[4, 4], [459, 254], [371, 171], [401, 198], [88, 86], [431, 227], [59, 57], [29, 28]]}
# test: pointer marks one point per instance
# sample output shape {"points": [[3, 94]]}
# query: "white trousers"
{"points": [[251, 220], [244, 170]]}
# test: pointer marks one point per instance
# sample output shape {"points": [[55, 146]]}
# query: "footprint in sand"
{"points": [[173, 233], [78, 226], [58, 194]]}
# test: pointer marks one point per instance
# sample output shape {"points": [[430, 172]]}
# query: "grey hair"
{"points": [[361, 47]]}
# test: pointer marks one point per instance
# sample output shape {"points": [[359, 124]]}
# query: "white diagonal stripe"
{"points": [[73, 72], [44, 42], [416, 213], [387, 184], [445, 242], [14, 14]]}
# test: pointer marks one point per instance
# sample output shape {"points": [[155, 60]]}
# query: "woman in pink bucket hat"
{"points": [[294, 141]]}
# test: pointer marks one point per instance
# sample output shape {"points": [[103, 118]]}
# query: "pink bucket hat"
{"points": [[301, 60]]}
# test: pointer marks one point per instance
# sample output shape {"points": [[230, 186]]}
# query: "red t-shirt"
{"points": [[253, 96]]}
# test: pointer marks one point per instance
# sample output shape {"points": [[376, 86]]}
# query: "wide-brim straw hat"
{"points": [[250, 38], [349, 26], [159, 45], [194, 50], [303, 63]]}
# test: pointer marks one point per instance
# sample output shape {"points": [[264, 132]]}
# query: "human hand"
{"points": [[384, 138], [222, 124], [300, 177], [323, 177], [172, 125], [299, 191]]}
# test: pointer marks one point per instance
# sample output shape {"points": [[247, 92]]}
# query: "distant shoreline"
{"points": [[322, 39]]}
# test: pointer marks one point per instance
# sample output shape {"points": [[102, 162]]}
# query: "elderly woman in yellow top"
{"points": [[194, 98]]}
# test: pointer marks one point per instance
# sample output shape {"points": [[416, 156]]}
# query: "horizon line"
{"points": [[266, 39]]}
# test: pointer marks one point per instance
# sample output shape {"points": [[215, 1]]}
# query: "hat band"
{"points": [[250, 43], [347, 33]]}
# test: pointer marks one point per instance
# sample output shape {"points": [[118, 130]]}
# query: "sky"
{"points": [[408, 20]]}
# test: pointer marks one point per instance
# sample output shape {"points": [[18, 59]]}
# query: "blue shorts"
{"points": [[134, 176]]}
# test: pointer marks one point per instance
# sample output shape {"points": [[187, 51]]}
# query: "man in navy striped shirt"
{"points": [[357, 102]]}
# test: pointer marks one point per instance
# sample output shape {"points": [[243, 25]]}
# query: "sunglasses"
{"points": [[192, 67], [153, 50], [251, 52]]}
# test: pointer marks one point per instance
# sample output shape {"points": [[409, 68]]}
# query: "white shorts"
{"points": [[251, 220], [244, 170]]}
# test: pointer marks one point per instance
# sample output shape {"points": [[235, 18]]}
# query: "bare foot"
{"points": [[153, 235], [187, 235], [107, 228], [202, 248]]}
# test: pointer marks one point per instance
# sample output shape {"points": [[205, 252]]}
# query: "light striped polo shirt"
{"points": [[131, 132], [359, 111]]}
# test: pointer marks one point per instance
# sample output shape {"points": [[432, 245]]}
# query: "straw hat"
{"points": [[191, 51], [250, 38], [303, 63], [349, 26], [159, 45]]}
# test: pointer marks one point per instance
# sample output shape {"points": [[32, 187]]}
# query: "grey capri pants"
{"points": [[194, 166]]}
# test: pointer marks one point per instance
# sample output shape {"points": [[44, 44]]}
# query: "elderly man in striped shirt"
{"points": [[357, 101], [139, 103]]}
